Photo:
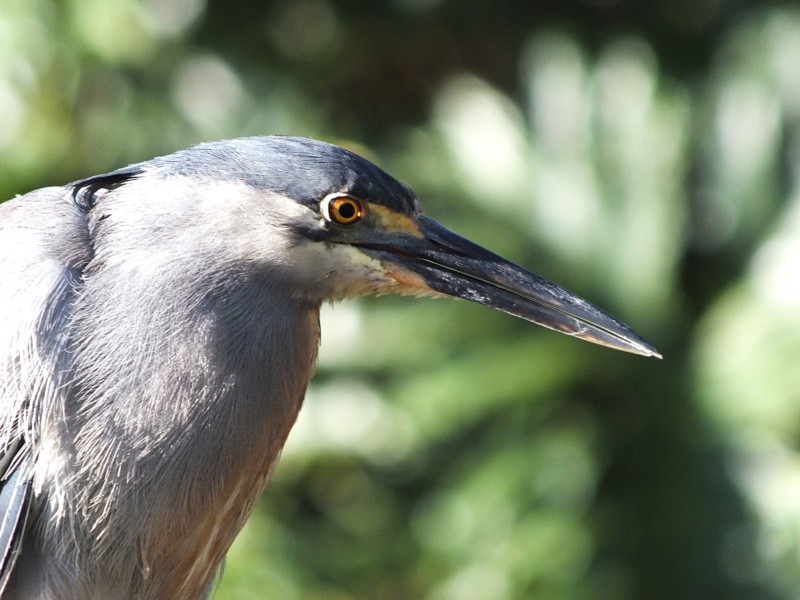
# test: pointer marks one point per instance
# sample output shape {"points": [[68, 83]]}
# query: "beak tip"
{"points": [[642, 348], [653, 354]]}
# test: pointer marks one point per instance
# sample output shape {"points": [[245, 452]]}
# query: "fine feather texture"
{"points": [[221, 362], [138, 361]]}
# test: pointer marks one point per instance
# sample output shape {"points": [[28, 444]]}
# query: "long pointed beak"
{"points": [[452, 265]]}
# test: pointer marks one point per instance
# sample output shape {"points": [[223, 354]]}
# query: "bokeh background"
{"points": [[644, 154]]}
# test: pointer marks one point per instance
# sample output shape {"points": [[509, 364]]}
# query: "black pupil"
{"points": [[347, 210]]}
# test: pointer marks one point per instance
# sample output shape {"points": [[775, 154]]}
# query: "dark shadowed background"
{"points": [[644, 154]]}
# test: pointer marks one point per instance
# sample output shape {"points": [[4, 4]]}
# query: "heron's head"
{"points": [[342, 227]]}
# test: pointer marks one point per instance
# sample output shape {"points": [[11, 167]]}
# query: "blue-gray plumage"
{"points": [[160, 325]]}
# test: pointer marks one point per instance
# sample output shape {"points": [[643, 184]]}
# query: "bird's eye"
{"points": [[342, 210]]}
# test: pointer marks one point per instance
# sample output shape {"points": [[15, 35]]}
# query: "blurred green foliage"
{"points": [[643, 154]]}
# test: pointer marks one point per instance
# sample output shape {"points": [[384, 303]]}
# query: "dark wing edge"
{"points": [[16, 478]]}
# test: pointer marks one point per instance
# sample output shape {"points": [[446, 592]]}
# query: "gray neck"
{"points": [[182, 401]]}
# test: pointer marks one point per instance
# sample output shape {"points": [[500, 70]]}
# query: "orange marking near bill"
{"points": [[409, 280], [390, 220]]}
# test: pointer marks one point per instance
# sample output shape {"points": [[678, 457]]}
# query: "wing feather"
{"points": [[15, 493]]}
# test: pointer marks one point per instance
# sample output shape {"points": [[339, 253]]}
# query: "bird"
{"points": [[160, 325]]}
